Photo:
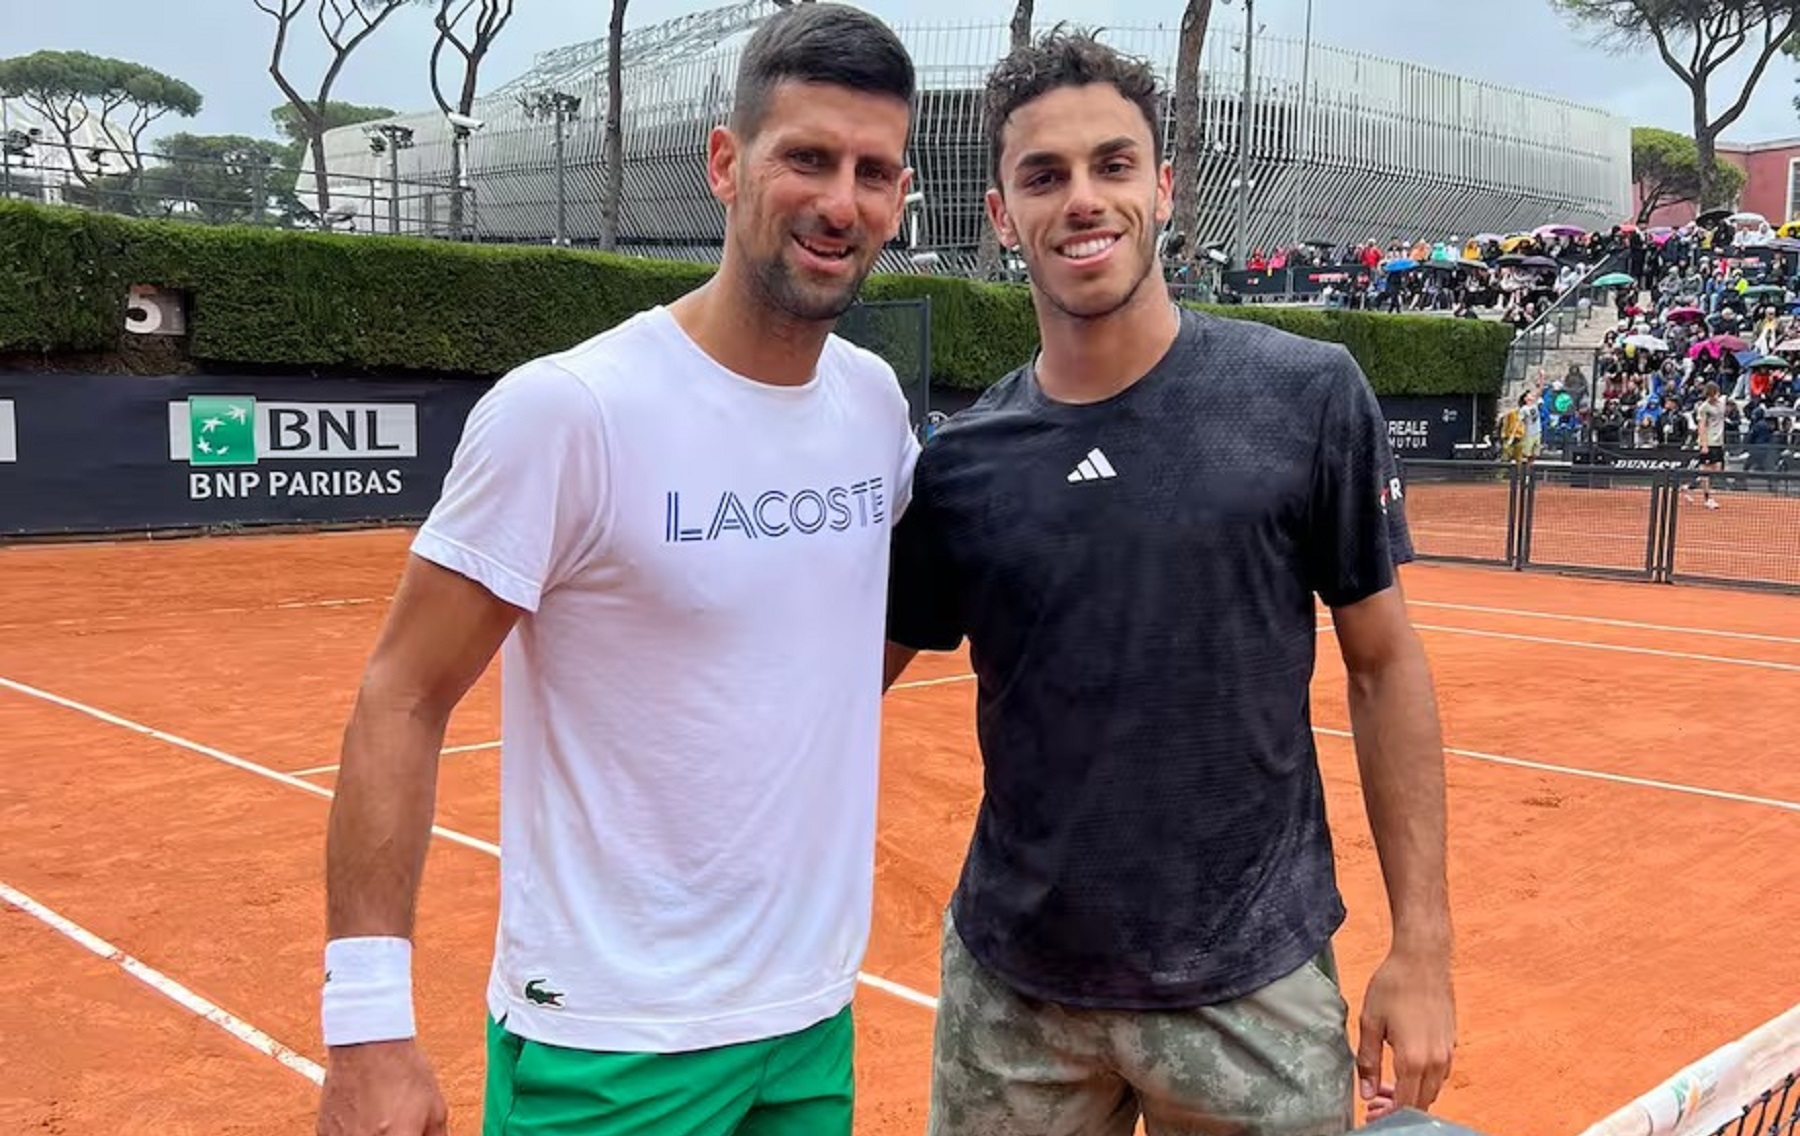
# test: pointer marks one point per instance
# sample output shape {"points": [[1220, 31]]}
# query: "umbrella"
{"points": [[1400, 264], [1614, 280], [1788, 345], [1748, 219], [1685, 315], [1765, 290], [1769, 362], [1559, 231], [1783, 244], [1320, 244], [1646, 343], [1484, 238], [1716, 346], [1538, 262], [1467, 263], [1712, 216]]}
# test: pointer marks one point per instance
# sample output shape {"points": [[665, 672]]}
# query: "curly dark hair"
{"points": [[1066, 58]]}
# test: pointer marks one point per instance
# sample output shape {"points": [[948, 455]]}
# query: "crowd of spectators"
{"points": [[1714, 302], [1514, 275]]}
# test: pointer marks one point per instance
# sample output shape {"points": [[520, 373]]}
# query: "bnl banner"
{"points": [[1427, 427], [102, 453]]}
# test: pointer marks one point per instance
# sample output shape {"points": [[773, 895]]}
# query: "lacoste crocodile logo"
{"points": [[535, 991]]}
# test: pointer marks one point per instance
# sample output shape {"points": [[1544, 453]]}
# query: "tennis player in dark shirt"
{"points": [[1129, 532]]}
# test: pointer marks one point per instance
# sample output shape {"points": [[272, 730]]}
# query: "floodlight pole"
{"points": [[562, 108], [1243, 171], [1304, 162]]}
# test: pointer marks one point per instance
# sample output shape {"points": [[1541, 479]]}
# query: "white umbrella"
{"points": [[1646, 343], [1748, 219]]}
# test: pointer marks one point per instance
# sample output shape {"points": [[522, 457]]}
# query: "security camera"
{"points": [[464, 122]]}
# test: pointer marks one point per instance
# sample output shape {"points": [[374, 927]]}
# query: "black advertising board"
{"points": [[122, 453], [1426, 427]]}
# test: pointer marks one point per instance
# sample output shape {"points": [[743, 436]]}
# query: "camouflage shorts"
{"points": [[1274, 1063]]}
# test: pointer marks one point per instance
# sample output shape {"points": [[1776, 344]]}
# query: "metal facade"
{"points": [[1372, 148]]}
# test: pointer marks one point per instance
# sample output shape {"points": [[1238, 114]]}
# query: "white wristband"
{"points": [[368, 991]]}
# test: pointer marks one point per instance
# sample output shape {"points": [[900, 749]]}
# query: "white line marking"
{"points": [[472, 748], [1603, 622], [924, 682], [1762, 664], [1617, 778], [450, 834], [447, 751], [166, 986], [77, 621], [1572, 771], [219, 755], [904, 993]]}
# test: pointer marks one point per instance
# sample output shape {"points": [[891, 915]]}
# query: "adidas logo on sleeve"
{"points": [[1094, 467]]}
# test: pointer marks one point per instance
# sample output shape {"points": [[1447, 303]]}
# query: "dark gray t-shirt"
{"points": [[1136, 581]]}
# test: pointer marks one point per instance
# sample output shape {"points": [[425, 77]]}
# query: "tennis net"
{"points": [[1750, 1087]]}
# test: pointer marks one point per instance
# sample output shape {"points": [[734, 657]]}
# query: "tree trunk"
{"points": [[1704, 139], [1192, 41], [987, 253], [614, 162], [321, 176]]}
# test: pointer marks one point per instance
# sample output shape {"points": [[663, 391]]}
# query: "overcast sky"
{"points": [[221, 48]]}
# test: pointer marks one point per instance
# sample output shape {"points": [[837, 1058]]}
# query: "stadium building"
{"points": [[1343, 146]]}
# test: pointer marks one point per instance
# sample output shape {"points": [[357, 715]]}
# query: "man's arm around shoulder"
{"points": [[442, 633], [1399, 751]]}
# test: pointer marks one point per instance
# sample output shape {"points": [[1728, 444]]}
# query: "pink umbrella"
{"points": [[1685, 315], [1558, 231], [1717, 346]]}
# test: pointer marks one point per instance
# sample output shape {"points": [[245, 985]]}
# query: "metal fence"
{"points": [[900, 332], [1650, 525], [252, 187]]}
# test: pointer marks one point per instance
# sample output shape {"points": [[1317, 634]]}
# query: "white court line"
{"points": [[247, 766], [1570, 770], [1616, 778], [924, 682], [1600, 621], [472, 748], [445, 752], [81, 620], [166, 986], [1762, 664], [220, 755]]}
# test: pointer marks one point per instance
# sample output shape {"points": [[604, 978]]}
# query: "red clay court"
{"points": [[1624, 815]]}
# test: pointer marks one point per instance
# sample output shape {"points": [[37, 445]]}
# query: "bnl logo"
{"points": [[238, 430]]}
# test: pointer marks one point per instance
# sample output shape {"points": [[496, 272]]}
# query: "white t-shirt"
{"points": [[691, 704], [1711, 419]]}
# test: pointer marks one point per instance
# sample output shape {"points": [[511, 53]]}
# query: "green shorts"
{"points": [[797, 1085]]}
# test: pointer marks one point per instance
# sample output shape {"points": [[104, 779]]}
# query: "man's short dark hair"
{"points": [[819, 43], [1066, 58]]}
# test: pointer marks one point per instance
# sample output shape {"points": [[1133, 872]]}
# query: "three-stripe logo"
{"points": [[1094, 467]]}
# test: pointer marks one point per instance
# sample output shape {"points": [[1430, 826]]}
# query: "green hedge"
{"points": [[276, 299]]}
